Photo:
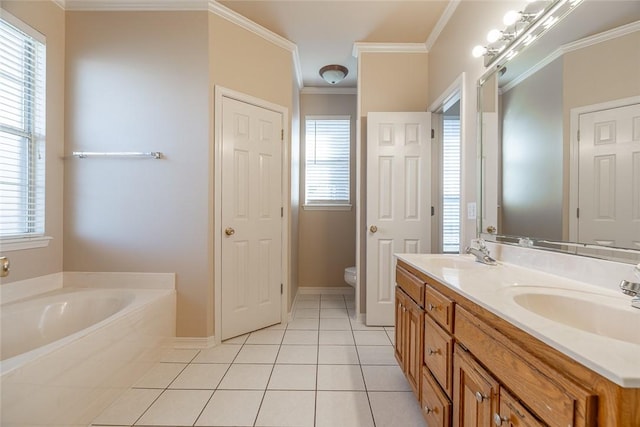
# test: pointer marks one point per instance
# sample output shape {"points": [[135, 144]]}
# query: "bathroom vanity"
{"points": [[511, 346]]}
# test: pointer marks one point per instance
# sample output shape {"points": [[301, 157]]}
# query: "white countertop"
{"points": [[598, 313]]}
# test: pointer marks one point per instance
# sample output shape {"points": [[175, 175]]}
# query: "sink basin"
{"points": [[598, 314]]}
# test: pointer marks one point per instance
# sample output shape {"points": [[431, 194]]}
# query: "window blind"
{"points": [[22, 103], [327, 148], [451, 185]]}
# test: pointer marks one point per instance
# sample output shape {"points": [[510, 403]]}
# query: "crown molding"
{"points": [[133, 5], [364, 47], [442, 22], [321, 90], [570, 47], [60, 4]]}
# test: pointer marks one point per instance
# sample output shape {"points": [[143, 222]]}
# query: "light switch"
{"points": [[471, 210]]}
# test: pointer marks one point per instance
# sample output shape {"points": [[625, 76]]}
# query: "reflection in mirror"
{"points": [[582, 78]]}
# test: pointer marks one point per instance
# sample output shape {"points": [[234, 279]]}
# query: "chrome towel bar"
{"points": [[87, 154]]}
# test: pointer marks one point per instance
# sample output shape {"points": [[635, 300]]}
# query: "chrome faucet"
{"points": [[632, 288], [481, 252]]}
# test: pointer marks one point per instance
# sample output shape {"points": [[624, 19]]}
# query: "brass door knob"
{"points": [[491, 229], [373, 229], [229, 231]]}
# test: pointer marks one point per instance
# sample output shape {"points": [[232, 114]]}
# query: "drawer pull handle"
{"points": [[428, 410], [498, 419], [517, 412], [432, 351], [480, 397], [431, 307]]}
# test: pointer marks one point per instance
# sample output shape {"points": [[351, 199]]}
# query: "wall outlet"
{"points": [[471, 210]]}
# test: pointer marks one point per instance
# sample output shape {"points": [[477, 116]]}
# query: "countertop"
{"points": [[595, 326]]}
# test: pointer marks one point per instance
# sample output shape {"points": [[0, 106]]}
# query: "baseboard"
{"points": [[327, 290], [194, 342]]}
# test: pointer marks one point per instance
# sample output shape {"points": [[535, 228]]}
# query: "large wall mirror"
{"points": [[560, 135]]}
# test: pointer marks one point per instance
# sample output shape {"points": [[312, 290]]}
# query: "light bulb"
{"points": [[511, 17], [494, 36], [478, 51]]}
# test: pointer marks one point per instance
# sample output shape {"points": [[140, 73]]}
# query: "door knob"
{"points": [[491, 229], [480, 397], [229, 231], [499, 419], [373, 229]]}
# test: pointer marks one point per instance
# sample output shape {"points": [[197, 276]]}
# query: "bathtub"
{"points": [[67, 353]]}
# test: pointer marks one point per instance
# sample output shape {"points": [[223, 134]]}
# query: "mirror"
{"points": [[543, 186]]}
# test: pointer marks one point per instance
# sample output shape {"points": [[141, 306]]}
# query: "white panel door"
{"points": [[251, 217], [398, 202], [609, 185]]}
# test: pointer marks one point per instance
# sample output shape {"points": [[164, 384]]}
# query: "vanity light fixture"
{"points": [[333, 74], [522, 28]]}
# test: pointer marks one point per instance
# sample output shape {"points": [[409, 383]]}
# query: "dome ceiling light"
{"points": [[334, 73]]}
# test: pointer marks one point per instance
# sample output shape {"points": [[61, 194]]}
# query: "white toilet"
{"points": [[350, 276]]}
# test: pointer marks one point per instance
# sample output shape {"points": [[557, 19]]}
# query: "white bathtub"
{"points": [[68, 353]]}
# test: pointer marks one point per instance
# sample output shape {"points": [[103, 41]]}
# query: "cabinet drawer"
{"points": [[556, 400], [438, 353], [439, 307], [436, 407], [413, 286], [513, 414]]}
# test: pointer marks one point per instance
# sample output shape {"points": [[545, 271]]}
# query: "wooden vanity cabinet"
{"points": [[409, 331], [513, 414], [436, 406]]}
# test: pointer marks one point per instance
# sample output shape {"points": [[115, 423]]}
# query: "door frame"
{"points": [[574, 154], [220, 93]]}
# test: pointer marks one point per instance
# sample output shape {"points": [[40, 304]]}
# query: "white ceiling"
{"points": [[326, 30]]}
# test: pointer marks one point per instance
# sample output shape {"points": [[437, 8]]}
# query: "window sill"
{"points": [[21, 243], [346, 207]]}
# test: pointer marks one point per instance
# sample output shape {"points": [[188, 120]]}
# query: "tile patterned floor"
{"points": [[324, 368]]}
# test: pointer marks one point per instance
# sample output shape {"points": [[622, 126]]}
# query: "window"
{"points": [[451, 185], [22, 91], [327, 161]]}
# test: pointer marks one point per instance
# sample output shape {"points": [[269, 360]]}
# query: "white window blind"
{"points": [[327, 148], [22, 103], [451, 186]]}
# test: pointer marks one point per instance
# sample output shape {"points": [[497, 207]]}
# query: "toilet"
{"points": [[350, 276]]}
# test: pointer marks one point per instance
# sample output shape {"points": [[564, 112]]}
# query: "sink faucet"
{"points": [[632, 288], [481, 252]]}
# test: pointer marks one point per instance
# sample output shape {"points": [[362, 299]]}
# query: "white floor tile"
{"points": [[391, 409], [334, 313], [128, 408], [340, 377], [357, 325], [335, 324], [298, 354], [336, 338], [343, 408], [333, 303], [310, 303], [309, 324], [237, 340], [377, 355], [231, 408], [277, 326], [293, 377], [204, 376], [179, 355], [224, 353], [265, 336], [308, 297], [160, 375], [246, 377], [306, 313], [176, 408], [385, 378], [337, 355], [300, 337], [332, 297], [287, 408], [371, 338], [257, 354]]}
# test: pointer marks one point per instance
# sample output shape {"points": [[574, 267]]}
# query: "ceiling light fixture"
{"points": [[333, 74]]}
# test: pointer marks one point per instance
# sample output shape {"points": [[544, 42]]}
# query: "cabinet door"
{"points": [[513, 414], [475, 394], [400, 328], [414, 316], [436, 407]]}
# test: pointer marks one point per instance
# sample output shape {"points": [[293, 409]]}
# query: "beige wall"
{"points": [[294, 236], [138, 81], [327, 240], [448, 58], [48, 19], [386, 82]]}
